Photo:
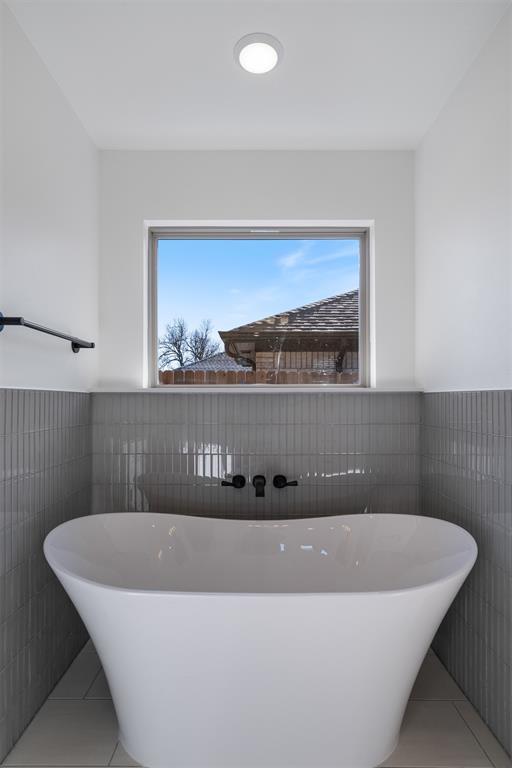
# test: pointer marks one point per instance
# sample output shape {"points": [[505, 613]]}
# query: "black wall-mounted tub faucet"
{"points": [[259, 483]]}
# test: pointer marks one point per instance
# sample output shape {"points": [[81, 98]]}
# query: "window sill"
{"points": [[257, 389]]}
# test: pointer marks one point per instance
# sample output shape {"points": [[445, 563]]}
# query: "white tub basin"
{"points": [[246, 644]]}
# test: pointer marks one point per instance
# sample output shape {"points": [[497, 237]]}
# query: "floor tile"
{"points": [[487, 741], [78, 679], [67, 732], [99, 688], [434, 682], [434, 735], [89, 647], [441, 729], [122, 758]]}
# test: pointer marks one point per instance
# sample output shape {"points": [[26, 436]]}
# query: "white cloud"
{"points": [[300, 257], [295, 258], [335, 256]]}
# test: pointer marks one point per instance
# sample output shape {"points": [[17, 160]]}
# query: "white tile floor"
{"points": [[77, 725]]}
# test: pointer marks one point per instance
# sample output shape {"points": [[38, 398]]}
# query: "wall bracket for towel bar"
{"points": [[76, 344]]}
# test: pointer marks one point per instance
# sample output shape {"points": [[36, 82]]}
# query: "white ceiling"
{"points": [[160, 74]]}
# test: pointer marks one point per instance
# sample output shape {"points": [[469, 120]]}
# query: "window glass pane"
{"points": [[253, 311]]}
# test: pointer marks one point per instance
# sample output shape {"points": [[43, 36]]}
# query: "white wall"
{"points": [[49, 224], [49, 229], [463, 230], [139, 186]]}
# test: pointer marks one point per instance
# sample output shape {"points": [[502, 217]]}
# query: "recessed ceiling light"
{"points": [[258, 53]]}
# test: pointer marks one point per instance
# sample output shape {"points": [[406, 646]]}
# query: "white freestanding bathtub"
{"points": [[238, 644]]}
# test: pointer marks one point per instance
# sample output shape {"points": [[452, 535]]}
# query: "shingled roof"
{"points": [[331, 315], [218, 362]]}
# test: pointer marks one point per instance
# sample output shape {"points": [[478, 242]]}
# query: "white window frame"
{"points": [[253, 231]]}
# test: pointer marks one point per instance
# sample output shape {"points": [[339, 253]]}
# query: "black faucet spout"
{"points": [[259, 483]]}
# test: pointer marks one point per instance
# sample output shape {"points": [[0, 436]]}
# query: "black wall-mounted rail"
{"points": [[76, 344]]}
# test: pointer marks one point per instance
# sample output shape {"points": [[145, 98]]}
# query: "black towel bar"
{"points": [[76, 344]]}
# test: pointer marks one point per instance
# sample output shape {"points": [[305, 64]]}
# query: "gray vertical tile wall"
{"points": [[467, 478], [45, 471], [63, 454], [169, 452]]}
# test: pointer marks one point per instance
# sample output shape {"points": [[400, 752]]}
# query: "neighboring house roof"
{"points": [[335, 314], [218, 362]]}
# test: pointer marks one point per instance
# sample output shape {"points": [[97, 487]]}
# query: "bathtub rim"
{"points": [[466, 569]]}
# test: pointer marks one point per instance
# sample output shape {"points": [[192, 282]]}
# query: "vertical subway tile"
{"points": [[45, 479], [207, 435], [466, 477]]}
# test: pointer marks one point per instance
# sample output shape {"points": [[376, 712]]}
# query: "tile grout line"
{"points": [[452, 701], [473, 733], [115, 750], [84, 697]]}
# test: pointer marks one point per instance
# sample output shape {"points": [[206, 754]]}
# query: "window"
{"points": [[255, 306]]}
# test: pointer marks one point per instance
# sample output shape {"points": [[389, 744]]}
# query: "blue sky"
{"points": [[232, 282]]}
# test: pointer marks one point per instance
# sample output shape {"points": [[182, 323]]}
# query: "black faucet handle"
{"points": [[238, 481], [280, 481]]}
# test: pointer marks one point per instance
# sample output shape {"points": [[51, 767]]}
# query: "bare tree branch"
{"points": [[200, 344], [177, 347], [173, 346]]}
